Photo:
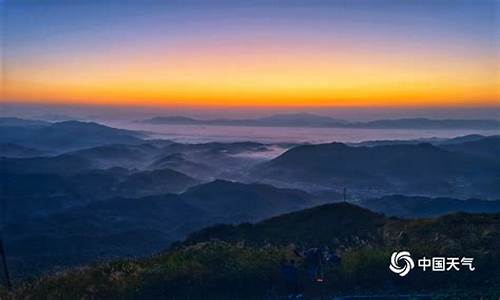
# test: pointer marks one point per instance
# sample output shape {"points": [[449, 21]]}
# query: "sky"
{"points": [[281, 53]]}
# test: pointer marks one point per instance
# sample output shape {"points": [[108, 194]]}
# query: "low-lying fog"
{"points": [[294, 135]]}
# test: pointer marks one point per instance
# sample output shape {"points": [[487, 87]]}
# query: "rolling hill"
{"points": [[422, 168]]}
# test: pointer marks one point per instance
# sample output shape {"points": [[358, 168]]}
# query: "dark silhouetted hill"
{"points": [[330, 224]]}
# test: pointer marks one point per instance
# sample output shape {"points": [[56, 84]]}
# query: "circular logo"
{"points": [[401, 263]]}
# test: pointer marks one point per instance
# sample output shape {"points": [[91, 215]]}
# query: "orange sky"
{"points": [[258, 79], [353, 65]]}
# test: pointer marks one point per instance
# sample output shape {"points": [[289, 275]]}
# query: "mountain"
{"points": [[312, 120], [243, 261], [365, 240], [421, 168], [487, 147], [179, 162], [118, 227], [475, 144], [160, 181], [16, 151], [329, 224], [288, 120], [419, 207], [172, 120], [65, 136], [181, 120], [300, 120], [29, 195], [61, 221], [236, 201], [61, 164], [462, 139], [434, 141], [207, 161], [43, 185], [345, 225], [130, 156], [34, 193]]}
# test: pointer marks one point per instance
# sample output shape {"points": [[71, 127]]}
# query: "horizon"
{"points": [[131, 113]]}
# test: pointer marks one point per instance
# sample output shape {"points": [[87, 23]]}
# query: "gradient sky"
{"points": [[252, 53]]}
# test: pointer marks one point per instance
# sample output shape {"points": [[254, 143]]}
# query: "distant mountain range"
{"points": [[311, 120], [473, 144], [434, 140], [462, 167]]}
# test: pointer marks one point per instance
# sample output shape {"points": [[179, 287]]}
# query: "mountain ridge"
{"points": [[312, 120]]}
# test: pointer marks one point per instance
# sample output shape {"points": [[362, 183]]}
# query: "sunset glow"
{"points": [[252, 55]]}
